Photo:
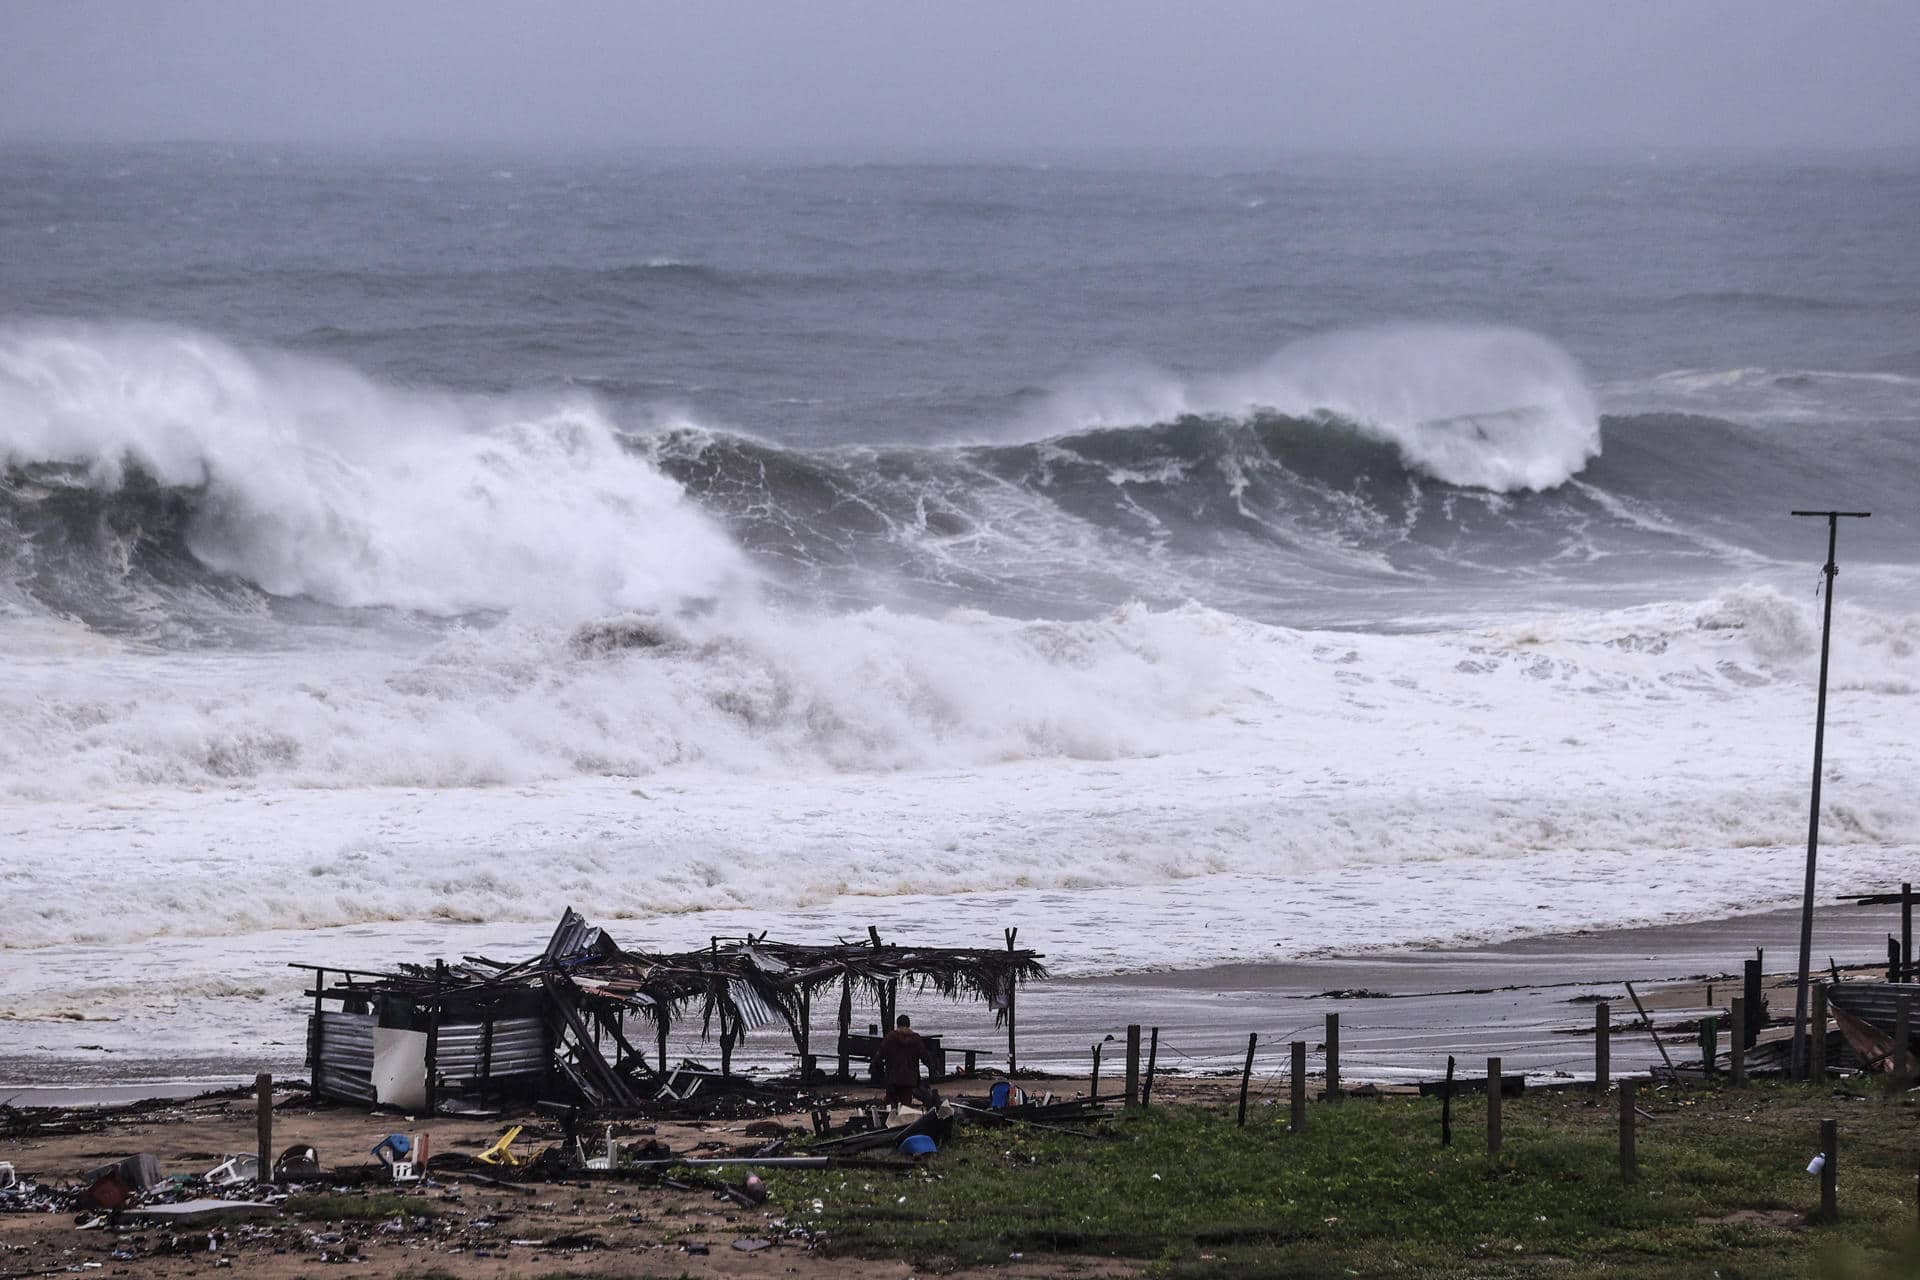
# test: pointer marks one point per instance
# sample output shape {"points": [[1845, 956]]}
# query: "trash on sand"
{"points": [[502, 1152], [395, 1146], [297, 1164], [7, 1176], [189, 1213], [233, 1171], [752, 1244], [116, 1185]]}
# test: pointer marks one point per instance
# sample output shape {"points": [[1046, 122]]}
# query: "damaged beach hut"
{"points": [[587, 1022]]}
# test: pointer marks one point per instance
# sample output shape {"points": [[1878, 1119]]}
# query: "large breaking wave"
{"points": [[173, 485]]}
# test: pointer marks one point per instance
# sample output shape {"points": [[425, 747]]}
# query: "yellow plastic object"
{"points": [[501, 1152]]}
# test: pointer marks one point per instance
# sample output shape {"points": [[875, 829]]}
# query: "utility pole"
{"points": [[1800, 1045]]}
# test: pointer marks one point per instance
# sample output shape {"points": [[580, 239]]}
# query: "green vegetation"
{"points": [[327, 1206], [1368, 1190]]}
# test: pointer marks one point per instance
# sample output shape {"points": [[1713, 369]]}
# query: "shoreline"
{"points": [[1528, 1000]]}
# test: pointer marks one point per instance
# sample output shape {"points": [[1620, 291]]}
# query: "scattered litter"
{"points": [[297, 1164], [233, 1171]]}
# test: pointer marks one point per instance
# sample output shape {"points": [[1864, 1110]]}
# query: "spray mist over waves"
{"points": [[315, 481], [1476, 406]]}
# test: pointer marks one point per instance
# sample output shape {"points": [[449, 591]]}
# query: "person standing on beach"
{"points": [[899, 1056]]}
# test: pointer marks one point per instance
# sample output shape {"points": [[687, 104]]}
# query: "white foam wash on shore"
{"points": [[1313, 791]]}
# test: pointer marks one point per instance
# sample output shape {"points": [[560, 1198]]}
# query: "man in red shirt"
{"points": [[900, 1055]]}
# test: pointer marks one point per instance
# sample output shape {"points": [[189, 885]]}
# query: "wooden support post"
{"points": [[1133, 1065], [1153, 1060], [1902, 1043], [726, 1048], [1333, 1057], [1629, 1158], [1709, 1045], [1013, 1057], [1446, 1106], [263, 1122], [1893, 959], [316, 1037], [1298, 1090], [806, 1027], [1737, 1045], [1246, 1076], [1817, 1058], [1093, 1092], [1602, 1047], [660, 1039], [1830, 1170], [1906, 933], [1493, 1106], [846, 1027], [1756, 1006]]}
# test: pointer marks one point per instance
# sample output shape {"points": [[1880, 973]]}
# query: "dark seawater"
{"points": [[1041, 388]]}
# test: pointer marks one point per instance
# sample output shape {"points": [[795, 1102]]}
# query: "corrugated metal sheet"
{"points": [[1877, 1003], [755, 1015], [345, 1068], [519, 1048], [574, 939]]}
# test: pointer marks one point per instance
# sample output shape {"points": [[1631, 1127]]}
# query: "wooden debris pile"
{"points": [[558, 1026]]}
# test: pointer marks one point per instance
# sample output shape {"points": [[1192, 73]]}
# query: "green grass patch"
{"points": [[327, 1206], [1367, 1189]]}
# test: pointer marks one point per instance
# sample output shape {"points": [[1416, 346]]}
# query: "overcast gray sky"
{"points": [[980, 74]]}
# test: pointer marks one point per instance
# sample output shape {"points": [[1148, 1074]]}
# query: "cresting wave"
{"points": [[167, 484], [304, 479], [1476, 406]]}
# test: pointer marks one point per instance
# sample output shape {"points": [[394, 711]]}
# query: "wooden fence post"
{"points": [[263, 1122], [1246, 1076], [1737, 1047], [1133, 1064], [1093, 1093], [1153, 1059], [1493, 1106], [1756, 1006], [1602, 1047], [846, 1030], [1902, 1042], [1013, 1056], [1629, 1158], [1906, 933], [1298, 1069], [1817, 1058], [1333, 1057], [661, 1022], [1446, 1106], [1830, 1170]]}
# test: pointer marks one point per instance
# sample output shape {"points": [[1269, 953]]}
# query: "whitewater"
{"points": [[376, 638]]}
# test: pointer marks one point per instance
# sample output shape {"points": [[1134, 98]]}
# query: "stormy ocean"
{"points": [[1186, 560]]}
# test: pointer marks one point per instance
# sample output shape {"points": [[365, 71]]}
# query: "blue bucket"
{"points": [[918, 1144]]}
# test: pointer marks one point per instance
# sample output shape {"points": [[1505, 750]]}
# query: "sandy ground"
{"points": [[599, 1227], [1530, 1001]]}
